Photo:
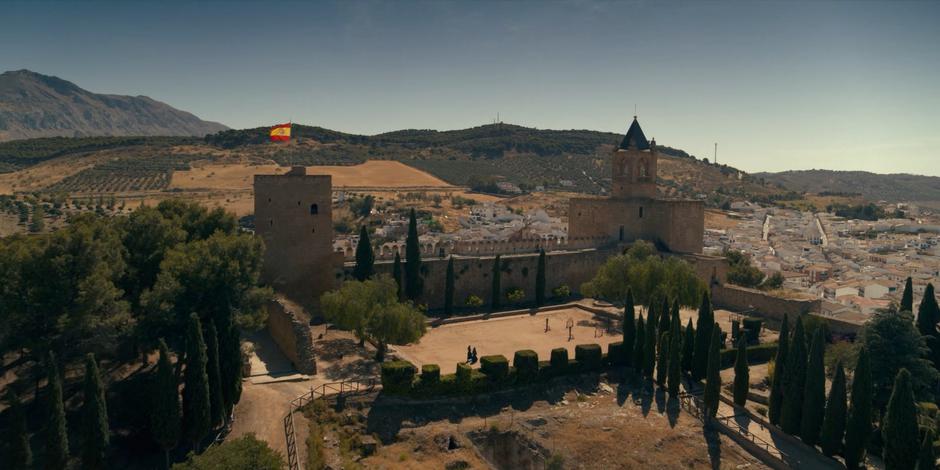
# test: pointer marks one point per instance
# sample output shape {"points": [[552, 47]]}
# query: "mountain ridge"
{"points": [[33, 105]]}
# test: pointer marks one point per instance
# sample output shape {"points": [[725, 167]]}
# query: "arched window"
{"points": [[314, 210], [641, 212], [644, 169]]}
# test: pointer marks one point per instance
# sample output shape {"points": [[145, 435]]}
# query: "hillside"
{"points": [[35, 105], [871, 186], [570, 160]]}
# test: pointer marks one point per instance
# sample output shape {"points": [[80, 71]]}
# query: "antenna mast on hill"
{"points": [[715, 155]]}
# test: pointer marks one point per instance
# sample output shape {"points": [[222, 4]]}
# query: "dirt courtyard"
{"points": [[446, 345]]}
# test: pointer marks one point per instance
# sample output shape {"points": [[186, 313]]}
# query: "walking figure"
{"points": [[469, 356], [473, 357]]}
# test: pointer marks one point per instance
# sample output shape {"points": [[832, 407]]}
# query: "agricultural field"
{"points": [[125, 174]]}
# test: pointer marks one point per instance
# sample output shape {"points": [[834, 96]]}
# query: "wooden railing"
{"points": [[327, 390], [695, 406]]}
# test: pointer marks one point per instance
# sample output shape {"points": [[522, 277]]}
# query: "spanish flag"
{"points": [[280, 132]]}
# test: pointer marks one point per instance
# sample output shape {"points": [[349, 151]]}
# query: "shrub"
{"points": [[559, 360], [526, 363], [617, 353], [495, 367], [464, 377], [515, 294], [430, 374], [473, 301], [562, 291], [246, 452], [589, 356], [752, 327], [755, 354], [397, 377]]}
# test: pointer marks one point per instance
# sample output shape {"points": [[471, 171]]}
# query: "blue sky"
{"points": [[779, 85]]}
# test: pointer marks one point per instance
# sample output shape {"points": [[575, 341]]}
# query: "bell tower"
{"points": [[633, 165]]}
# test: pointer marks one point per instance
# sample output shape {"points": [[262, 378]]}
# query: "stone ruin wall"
{"points": [[386, 251], [289, 326], [764, 305]]}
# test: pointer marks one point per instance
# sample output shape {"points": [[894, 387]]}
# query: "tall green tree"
{"points": [[688, 344], [196, 401], [57, 438], [96, 434], [495, 287], [540, 280], [216, 402], [926, 459], [674, 375], [703, 333], [794, 382], [662, 359], [776, 386], [396, 274], [365, 256], [907, 297], [741, 374], [639, 347], [165, 405], [894, 343], [449, 288], [649, 349], [814, 391], [833, 428], [414, 285], [899, 426], [629, 328], [19, 454], [928, 313], [666, 317], [713, 375], [231, 362], [858, 424]]}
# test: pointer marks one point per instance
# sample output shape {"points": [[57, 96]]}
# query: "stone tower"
{"points": [[634, 165], [293, 216]]}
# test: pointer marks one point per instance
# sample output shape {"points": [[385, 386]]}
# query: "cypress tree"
{"points": [[20, 455], [926, 459], [674, 361], [216, 405], [928, 313], [649, 349], [814, 391], [57, 439], [662, 359], [396, 273], [833, 428], [629, 328], [365, 257], [899, 426], [780, 362], [703, 334], [741, 374], [907, 298], [794, 381], [196, 404], [639, 348], [664, 318], [449, 288], [96, 434], [652, 317], [713, 375], [495, 287], [540, 280], [413, 283], [858, 424], [230, 366], [165, 408], [688, 344]]}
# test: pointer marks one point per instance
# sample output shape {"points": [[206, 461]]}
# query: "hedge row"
{"points": [[398, 377], [755, 354]]}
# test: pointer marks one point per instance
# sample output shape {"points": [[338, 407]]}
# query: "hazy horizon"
{"points": [[780, 86]]}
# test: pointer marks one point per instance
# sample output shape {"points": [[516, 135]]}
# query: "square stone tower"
{"points": [[294, 218]]}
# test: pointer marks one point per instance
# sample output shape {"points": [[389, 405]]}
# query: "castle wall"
{"points": [[289, 326], [293, 216], [678, 224], [473, 275]]}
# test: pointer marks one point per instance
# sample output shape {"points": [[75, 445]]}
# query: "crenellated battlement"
{"points": [[437, 249]]}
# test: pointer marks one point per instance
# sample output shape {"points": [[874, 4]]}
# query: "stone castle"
{"points": [[293, 217]]}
